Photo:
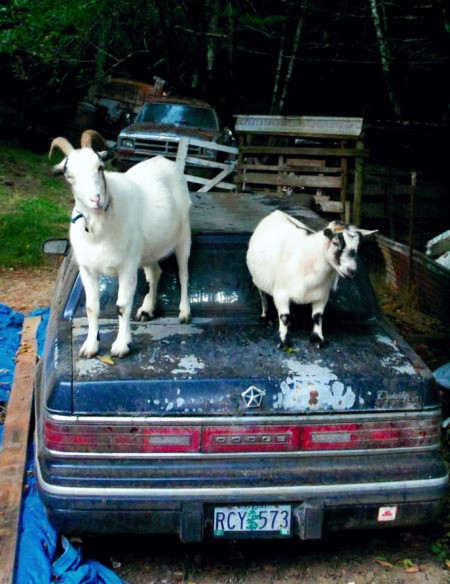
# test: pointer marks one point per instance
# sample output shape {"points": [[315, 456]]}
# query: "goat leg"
{"points": [[317, 338], [152, 275], [91, 287], [182, 252], [127, 288]]}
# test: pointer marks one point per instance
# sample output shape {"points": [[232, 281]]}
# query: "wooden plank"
{"points": [[311, 126], [305, 151], [308, 162], [290, 167], [217, 180], [182, 153], [324, 204], [200, 180], [13, 455], [213, 146], [315, 181]]}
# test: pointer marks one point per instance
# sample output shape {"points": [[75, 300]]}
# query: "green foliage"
{"points": [[33, 207]]}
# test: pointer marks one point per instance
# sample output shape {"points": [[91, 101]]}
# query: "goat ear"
{"points": [[104, 155], [366, 232], [328, 233], [58, 169]]}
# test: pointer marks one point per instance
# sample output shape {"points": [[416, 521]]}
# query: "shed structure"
{"points": [[319, 155]]}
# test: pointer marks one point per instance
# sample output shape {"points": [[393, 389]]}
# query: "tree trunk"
{"points": [[283, 73], [385, 54]]}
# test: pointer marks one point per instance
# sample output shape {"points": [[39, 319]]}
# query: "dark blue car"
{"points": [[208, 429]]}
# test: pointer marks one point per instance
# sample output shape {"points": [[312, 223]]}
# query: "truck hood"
{"points": [[226, 367]]}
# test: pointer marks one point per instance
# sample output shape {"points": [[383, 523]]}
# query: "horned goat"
{"points": [[121, 221], [291, 263]]}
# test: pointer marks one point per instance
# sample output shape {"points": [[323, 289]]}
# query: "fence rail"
{"points": [[224, 169]]}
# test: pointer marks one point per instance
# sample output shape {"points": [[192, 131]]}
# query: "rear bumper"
{"points": [[189, 511]]}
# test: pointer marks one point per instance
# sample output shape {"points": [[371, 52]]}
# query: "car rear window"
{"points": [[219, 283]]}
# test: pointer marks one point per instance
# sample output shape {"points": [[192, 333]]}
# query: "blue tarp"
{"points": [[10, 328], [38, 562], [442, 375]]}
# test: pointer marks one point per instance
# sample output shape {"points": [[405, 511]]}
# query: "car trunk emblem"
{"points": [[253, 397]]}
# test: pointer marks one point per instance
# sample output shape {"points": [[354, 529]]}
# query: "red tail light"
{"points": [[101, 438], [371, 435]]}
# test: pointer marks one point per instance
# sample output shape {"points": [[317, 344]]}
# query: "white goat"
{"points": [[120, 222], [290, 262]]}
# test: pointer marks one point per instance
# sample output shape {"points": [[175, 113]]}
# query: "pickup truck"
{"points": [[161, 123], [209, 430]]}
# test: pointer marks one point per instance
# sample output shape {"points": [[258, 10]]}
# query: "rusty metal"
{"points": [[430, 283], [13, 455]]}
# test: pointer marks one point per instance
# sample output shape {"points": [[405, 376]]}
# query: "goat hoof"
{"points": [[85, 355], [283, 345], [318, 342], [87, 352], [185, 319], [120, 352], [144, 316]]}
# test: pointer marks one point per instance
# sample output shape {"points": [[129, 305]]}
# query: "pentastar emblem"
{"points": [[253, 397]]}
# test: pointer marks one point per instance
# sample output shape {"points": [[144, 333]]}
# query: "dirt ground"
{"points": [[381, 557]]}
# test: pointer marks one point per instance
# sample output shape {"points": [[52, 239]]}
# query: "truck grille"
{"points": [[165, 147]]}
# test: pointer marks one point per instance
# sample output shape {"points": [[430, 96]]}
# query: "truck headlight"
{"points": [[208, 153], [127, 143]]}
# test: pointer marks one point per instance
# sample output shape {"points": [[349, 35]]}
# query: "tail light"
{"points": [[101, 438], [111, 438], [398, 434]]}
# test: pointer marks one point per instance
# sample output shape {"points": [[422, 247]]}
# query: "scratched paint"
{"points": [[168, 327], [396, 359], [90, 367], [188, 365], [311, 386], [161, 329], [386, 341], [403, 368]]}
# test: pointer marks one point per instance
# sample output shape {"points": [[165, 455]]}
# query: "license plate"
{"points": [[252, 519]]}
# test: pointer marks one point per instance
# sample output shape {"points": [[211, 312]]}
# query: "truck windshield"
{"points": [[178, 115]]}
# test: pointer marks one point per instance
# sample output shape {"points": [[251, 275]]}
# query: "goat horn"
{"points": [[63, 144], [89, 136]]}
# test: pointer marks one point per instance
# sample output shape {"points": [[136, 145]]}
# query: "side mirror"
{"points": [[56, 246]]}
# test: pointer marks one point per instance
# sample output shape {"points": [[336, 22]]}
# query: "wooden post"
{"points": [[412, 197], [343, 194], [13, 455], [357, 196], [182, 153]]}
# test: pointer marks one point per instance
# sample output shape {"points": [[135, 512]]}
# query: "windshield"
{"points": [[178, 115]]}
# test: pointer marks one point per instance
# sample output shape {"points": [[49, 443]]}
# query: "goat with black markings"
{"points": [[122, 221], [292, 263]]}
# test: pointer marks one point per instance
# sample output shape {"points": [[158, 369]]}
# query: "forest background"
{"points": [[385, 61]]}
